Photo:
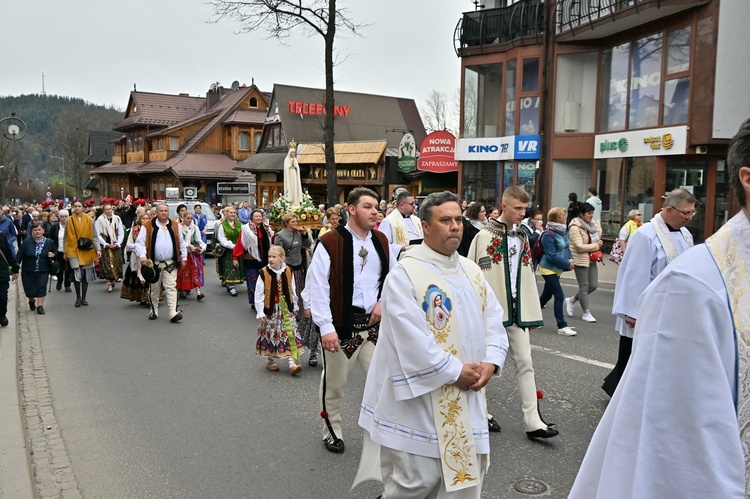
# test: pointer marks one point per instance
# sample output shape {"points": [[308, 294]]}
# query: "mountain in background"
{"points": [[55, 126]]}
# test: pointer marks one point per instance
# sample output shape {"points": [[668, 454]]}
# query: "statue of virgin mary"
{"points": [[292, 182]]}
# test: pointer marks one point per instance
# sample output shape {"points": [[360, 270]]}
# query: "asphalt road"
{"points": [[153, 409]]}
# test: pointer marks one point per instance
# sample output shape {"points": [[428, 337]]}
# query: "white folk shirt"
{"points": [[406, 345], [61, 238], [111, 227], [366, 280], [163, 249], [644, 260], [514, 242], [681, 380]]}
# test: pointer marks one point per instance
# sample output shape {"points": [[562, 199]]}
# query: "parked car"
{"points": [[205, 208]]}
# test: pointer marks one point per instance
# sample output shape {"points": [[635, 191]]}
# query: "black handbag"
{"points": [[84, 243]]}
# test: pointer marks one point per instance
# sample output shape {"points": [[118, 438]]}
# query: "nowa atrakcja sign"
{"points": [[436, 154]]}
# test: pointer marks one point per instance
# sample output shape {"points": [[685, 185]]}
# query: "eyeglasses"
{"points": [[689, 214]]}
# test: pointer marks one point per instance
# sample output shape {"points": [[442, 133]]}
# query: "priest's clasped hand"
{"points": [[470, 375]]}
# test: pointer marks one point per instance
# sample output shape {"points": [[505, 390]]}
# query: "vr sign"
{"points": [[514, 147]]}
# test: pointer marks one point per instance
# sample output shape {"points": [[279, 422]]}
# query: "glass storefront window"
{"points": [[510, 98], [678, 50], [482, 100], [645, 79], [507, 175], [527, 179], [624, 185], [530, 75], [481, 181], [676, 101], [614, 88], [691, 175]]}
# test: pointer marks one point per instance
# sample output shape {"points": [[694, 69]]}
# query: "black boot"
{"points": [[84, 290], [77, 286]]}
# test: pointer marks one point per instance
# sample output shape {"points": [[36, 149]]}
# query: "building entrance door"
{"points": [[691, 175]]}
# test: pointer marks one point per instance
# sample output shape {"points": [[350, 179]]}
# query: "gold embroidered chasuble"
{"points": [[458, 455], [730, 247], [400, 231]]}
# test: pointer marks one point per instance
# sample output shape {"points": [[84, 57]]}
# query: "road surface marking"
{"points": [[573, 357]]}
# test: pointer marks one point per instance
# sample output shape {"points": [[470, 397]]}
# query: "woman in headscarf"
{"points": [[437, 314], [231, 272], [34, 257], [252, 248], [190, 276], [134, 287], [81, 249]]}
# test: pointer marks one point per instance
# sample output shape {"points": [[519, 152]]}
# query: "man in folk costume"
{"points": [[679, 423], [442, 338], [159, 242], [402, 227], [502, 251], [111, 235], [347, 274], [650, 249]]}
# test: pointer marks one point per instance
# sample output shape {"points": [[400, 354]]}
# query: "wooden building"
{"points": [[183, 141], [368, 130]]}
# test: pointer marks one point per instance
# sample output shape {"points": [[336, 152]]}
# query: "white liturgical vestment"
{"points": [[671, 429]]}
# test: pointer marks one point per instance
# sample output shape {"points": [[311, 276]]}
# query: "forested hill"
{"points": [[55, 126]]}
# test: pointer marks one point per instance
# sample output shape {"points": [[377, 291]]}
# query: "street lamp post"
{"points": [[65, 197]]}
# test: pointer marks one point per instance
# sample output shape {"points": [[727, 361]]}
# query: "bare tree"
{"points": [[279, 18], [436, 114], [70, 140]]}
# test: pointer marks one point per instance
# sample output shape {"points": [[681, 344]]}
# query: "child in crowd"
{"points": [[276, 305]]}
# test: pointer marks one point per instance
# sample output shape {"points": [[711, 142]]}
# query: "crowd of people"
{"points": [[430, 300]]}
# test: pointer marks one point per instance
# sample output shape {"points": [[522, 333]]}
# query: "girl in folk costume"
{"points": [[81, 249], [111, 234], [252, 248], [230, 271], [191, 275], [276, 305], [134, 287]]}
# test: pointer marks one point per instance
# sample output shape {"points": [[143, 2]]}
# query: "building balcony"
{"points": [[578, 20], [485, 30]]}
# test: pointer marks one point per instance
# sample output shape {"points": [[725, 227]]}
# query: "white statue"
{"points": [[292, 182]]}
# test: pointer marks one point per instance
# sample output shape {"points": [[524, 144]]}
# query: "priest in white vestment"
{"points": [[650, 249], [402, 227], [423, 362], [678, 425]]}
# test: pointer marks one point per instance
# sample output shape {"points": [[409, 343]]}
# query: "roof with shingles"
{"points": [[102, 146], [160, 109], [370, 117], [246, 117]]}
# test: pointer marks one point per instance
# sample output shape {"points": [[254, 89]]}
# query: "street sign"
{"points": [[233, 188]]}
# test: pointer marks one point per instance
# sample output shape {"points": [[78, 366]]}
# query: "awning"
{"points": [[370, 152], [263, 162]]}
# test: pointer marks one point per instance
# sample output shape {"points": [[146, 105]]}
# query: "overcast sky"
{"points": [[97, 49]]}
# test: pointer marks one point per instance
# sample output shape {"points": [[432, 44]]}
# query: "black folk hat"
{"points": [[150, 274]]}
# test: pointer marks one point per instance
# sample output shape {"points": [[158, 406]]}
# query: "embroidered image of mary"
{"points": [[437, 307]]}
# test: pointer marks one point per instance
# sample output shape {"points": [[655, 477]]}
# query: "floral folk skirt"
{"points": [[272, 337], [132, 288], [111, 264], [228, 273], [190, 276]]}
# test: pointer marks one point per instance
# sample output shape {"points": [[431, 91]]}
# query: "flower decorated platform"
{"points": [[308, 215]]}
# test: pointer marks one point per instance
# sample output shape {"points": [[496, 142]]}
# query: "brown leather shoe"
{"points": [[271, 366], [295, 370]]}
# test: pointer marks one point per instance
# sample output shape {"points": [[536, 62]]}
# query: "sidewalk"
{"points": [[607, 275], [15, 476]]}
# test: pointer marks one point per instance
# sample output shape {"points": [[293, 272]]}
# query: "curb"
{"points": [[15, 459]]}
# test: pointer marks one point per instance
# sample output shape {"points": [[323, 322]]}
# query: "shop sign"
{"points": [[653, 142], [498, 148], [407, 153], [296, 107], [437, 153], [232, 188]]}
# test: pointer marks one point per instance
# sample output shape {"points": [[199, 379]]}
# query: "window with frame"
{"points": [[482, 100], [174, 143], [244, 139], [646, 83]]}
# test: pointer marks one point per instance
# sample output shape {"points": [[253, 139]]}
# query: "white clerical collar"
{"points": [[354, 234]]}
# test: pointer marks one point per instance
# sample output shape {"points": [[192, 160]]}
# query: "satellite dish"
{"points": [[235, 85], [13, 128]]}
